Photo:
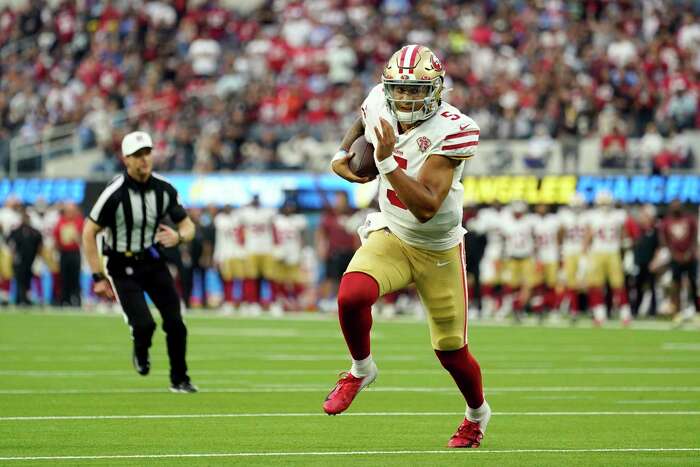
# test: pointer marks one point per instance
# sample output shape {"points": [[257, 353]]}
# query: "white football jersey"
{"points": [[606, 227], [289, 231], [546, 231], [488, 222], [9, 220], [449, 133], [45, 223], [574, 226], [518, 237], [257, 229], [224, 241]]}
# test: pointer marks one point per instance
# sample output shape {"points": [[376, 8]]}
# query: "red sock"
{"points": [[518, 301], [276, 291], [228, 291], [551, 300], [357, 292], [466, 372], [250, 290], [539, 299], [620, 296], [297, 290], [595, 296]]}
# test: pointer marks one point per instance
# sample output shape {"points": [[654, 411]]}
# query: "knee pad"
{"points": [[449, 344]]}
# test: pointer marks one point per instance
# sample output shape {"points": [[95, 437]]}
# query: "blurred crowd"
{"points": [[273, 86]]}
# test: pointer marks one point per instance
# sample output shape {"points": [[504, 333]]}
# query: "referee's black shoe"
{"points": [[141, 363], [183, 387]]}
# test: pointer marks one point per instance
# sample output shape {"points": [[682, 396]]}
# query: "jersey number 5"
{"points": [[391, 194]]}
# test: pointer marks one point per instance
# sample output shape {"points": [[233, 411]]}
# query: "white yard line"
{"points": [[356, 414], [412, 372], [659, 401], [462, 452], [296, 388], [683, 346]]}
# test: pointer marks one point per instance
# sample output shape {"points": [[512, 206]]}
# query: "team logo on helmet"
{"points": [[435, 62], [423, 143]]}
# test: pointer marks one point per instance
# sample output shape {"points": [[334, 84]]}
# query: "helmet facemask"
{"points": [[413, 100]]}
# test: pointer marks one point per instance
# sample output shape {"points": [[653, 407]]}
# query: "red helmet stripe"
{"points": [[401, 58], [413, 59]]}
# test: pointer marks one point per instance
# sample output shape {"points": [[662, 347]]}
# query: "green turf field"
{"points": [[561, 396]]}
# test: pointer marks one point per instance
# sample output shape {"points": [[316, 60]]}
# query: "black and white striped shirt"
{"points": [[131, 211]]}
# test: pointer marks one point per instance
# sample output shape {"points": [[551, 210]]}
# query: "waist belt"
{"points": [[150, 253]]}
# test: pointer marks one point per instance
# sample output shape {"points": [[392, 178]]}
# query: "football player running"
{"points": [[421, 143]]}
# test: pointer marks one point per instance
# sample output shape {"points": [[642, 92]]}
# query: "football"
{"points": [[362, 161]]}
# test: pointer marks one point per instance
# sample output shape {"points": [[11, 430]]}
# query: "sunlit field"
{"points": [[561, 395]]}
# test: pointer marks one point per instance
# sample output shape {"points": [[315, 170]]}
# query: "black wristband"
{"points": [[98, 276]]}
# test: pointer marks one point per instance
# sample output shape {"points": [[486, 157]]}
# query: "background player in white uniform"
{"points": [[10, 219], [519, 253], [289, 228], [420, 144], [573, 232], [259, 264], [44, 218], [225, 246], [604, 238], [546, 231], [489, 221]]}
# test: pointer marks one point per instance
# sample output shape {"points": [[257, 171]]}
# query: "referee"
{"points": [[131, 210]]}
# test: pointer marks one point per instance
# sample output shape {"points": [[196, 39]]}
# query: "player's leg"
{"points": [[270, 273], [5, 274], [250, 282], [441, 281], [550, 278], [676, 285], [159, 285], [616, 279], [237, 276], [511, 286], [537, 303], [596, 282], [378, 267], [224, 268], [691, 270], [571, 286], [129, 294], [490, 303]]}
